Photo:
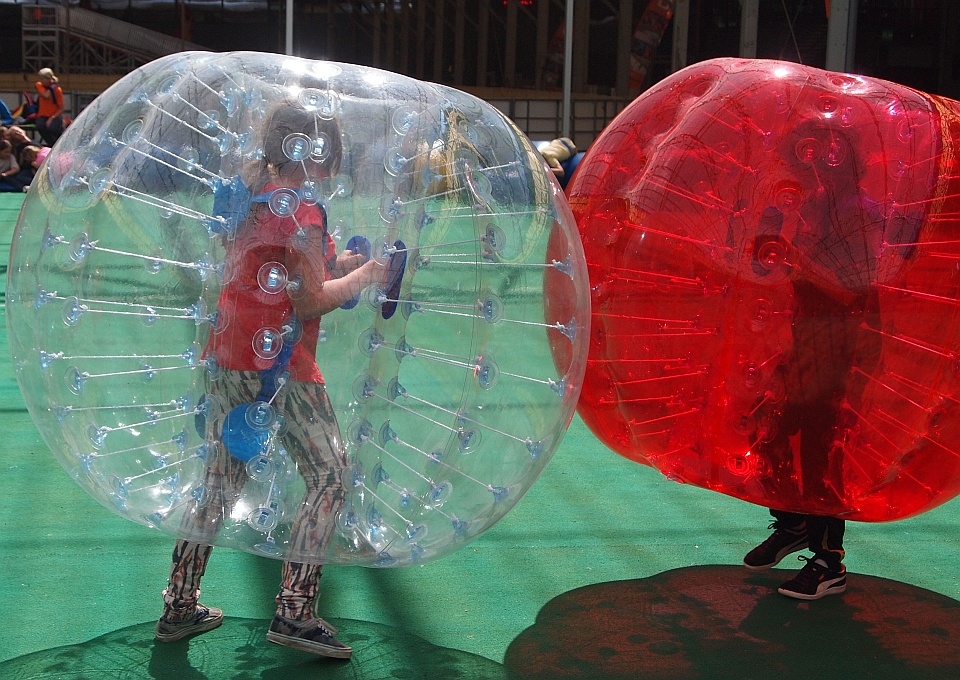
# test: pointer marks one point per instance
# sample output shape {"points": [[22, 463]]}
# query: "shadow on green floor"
{"points": [[238, 650], [721, 622], [697, 623]]}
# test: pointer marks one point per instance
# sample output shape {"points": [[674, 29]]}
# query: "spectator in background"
{"points": [[49, 119], [6, 117], [562, 158], [19, 139], [21, 142], [8, 166], [32, 157]]}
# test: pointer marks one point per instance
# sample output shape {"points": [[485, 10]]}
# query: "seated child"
{"points": [[9, 168]]}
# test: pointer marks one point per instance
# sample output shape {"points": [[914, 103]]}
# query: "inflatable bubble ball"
{"points": [[774, 266], [308, 310]]}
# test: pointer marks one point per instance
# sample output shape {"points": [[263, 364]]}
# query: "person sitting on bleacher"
{"points": [[6, 117], [8, 166], [20, 142]]}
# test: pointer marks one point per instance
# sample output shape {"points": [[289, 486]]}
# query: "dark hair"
{"points": [[287, 119], [5, 145]]}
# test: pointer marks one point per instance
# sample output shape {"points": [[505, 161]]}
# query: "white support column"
{"points": [[624, 38], [681, 29], [567, 112], [749, 19], [510, 43], [289, 33], [841, 35]]}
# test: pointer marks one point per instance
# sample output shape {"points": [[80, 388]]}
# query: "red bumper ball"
{"points": [[774, 257]]}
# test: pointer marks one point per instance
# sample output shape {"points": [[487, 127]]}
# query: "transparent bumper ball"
{"points": [[453, 378]]}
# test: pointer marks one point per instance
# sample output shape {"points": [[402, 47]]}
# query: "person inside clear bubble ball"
{"points": [[309, 279]]}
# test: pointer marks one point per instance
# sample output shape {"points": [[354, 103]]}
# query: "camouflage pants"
{"points": [[313, 441]]}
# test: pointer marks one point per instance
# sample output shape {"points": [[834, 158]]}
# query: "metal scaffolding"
{"points": [[80, 41]]}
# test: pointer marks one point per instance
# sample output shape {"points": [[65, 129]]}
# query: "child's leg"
{"points": [[223, 479], [314, 442], [791, 521], [225, 476], [298, 589], [183, 588], [825, 536], [21, 179], [183, 615], [789, 535], [295, 624]]}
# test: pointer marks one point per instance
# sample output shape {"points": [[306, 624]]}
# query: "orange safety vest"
{"points": [[49, 107]]}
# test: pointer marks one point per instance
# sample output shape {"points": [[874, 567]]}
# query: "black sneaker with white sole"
{"points": [[817, 579], [782, 542]]}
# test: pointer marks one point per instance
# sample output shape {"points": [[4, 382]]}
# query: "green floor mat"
{"points": [[603, 570]]}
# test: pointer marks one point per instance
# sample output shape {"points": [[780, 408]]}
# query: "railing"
{"points": [[51, 32], [120, 34], [539, 119], [90, 43], [542, 119], [74, 102]]}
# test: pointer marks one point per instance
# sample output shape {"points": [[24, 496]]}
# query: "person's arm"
{"points": [[43, 90], [58, 99], [319, 280], [313, 297], [12, 170], [557, 151], [346, 262]]}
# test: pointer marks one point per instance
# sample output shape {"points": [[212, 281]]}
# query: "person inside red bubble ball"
{"points": [[828, 338], [835, 346], [325, 281]]}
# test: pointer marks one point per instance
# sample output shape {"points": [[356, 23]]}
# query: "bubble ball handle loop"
{"points": [[396, 265]]}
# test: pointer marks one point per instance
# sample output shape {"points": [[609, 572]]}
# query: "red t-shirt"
{"points": [[245, 308]]}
